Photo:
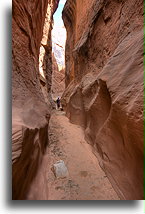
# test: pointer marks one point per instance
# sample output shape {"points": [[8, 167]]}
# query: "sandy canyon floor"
{"points": [[86, 180]]}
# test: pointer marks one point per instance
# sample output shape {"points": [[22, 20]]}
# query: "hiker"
{"points": [[58, 103]]}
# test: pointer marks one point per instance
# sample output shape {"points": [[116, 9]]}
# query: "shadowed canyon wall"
{"points": [[31, 114], [104, 85]]}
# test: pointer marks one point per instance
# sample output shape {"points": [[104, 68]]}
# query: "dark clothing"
{"points": [[58, 103]]}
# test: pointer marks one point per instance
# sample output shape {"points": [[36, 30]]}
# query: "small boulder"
{"points": [[60, 170]]}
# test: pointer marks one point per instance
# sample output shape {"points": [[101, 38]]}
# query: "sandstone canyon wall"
{"points": [[45, 56], [30, 114], [104, 85]]}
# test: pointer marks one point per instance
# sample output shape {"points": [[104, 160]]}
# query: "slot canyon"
{"points": [[97, 71]]}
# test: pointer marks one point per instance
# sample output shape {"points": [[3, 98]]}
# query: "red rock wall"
{"points": [[104, 79], [45, 56], [30, 111]]}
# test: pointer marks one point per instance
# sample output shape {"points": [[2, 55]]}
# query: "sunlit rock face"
{"points": [[58, 61], [104, 80], [58, 53], [45, 55], [59, 36], [58, 45], [30, 112], [58, 79]]}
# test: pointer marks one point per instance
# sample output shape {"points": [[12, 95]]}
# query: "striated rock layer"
{"points": [[104, 85], [30, 111]]}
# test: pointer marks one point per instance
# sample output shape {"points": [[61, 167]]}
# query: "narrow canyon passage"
{"points": [[86, 180], [92, 60]]}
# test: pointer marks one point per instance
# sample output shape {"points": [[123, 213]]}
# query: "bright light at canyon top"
{"points": [[59, 36]]}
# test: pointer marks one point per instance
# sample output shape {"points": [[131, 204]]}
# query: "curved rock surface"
{"points": [[30, 111], [104, 85]]}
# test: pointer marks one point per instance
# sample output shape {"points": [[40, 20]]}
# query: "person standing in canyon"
{"points": [[58, 103]]}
